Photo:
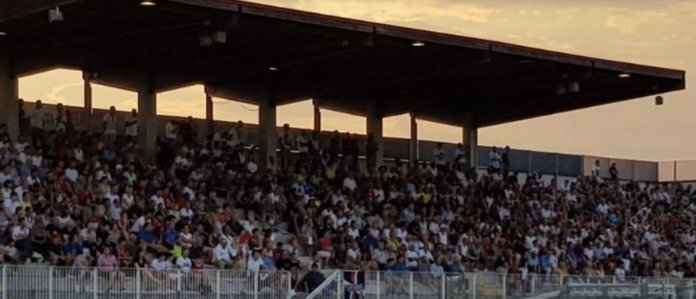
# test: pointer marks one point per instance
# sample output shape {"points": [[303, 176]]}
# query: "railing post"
{"points": [[95, 281], [50, 283], [410, 285], [138, 287], [256, 285], [504, 286], [443, 294], [473, 285], [289, 276], [178, 284], [379, 284], [217, 284], [4, 281], [533, 287], [339, 285]]}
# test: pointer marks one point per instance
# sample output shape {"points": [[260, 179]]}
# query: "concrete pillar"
{"points": [[147, 117], [87, 77], [9, 97], [470, 140], [268, 135], [375, 127], [413, 145], [317, 115]]}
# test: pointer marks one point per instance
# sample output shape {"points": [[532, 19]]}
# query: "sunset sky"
{"points": [[654, 32]]}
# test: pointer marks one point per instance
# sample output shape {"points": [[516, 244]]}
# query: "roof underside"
{"points": [[344, 63]]}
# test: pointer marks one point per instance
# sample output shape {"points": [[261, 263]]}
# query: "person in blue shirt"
{"points": [[533, 262], [170, 235]]}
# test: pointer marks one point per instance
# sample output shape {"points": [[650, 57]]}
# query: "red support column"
{"points": [[210, 120], [87, 77], [317, 115], [414, 139]]}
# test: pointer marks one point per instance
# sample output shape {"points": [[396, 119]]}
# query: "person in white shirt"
{"points": [[71, 173], [38, 122], [460, 154], [171, 131], [439, 154], [256, 263], [20, 232], [109, 126], [183, 262], [495, 159], [224, 255], [132, 126], [161, 263], [596, 170], [350, 183]]}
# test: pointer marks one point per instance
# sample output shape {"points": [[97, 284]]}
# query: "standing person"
{"points": [[236, 135], [132, 126], [284, 144], [596, 170], [24, 121], [506, 160], [371, 149], [171, 131], [494, 160], [303, 145], [60, 122], [614, 172], [335, 145], [315, 148], [460, 154], [355, 149], [38, 120], [439, 155], [109, 126]]}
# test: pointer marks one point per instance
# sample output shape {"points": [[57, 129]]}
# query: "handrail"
{"points": [[323, 285]]}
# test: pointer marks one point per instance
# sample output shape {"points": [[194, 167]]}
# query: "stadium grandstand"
{"points": [[110, 204]]}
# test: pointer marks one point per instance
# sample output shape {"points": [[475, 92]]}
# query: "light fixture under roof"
{"points": [[273, 69], [148, 3], [418, 44], [2, 33], [624, 75]]}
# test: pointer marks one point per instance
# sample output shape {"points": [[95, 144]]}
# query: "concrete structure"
{"points": [[273, 56]]}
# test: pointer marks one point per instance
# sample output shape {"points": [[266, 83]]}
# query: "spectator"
{"points": [[109, 126]]}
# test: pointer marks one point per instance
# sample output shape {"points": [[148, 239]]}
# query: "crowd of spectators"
{"points": [[81, 199]]}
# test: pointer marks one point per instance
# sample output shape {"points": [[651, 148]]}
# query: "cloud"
{"points": [[58, 93], [390, 11]]}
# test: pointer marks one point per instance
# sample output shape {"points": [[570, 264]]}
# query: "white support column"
{"points": [[9, 97], [147, 116], [470, 139], [413, 144], [375, 127], [268, 137]]}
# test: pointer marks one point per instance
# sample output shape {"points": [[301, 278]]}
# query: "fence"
{"points": [[32, 282]]}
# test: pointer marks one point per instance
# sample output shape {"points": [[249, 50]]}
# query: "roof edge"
{"points": [[436, 37]]}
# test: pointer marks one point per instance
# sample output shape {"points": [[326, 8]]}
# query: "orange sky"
{"points": [[655, 32]]}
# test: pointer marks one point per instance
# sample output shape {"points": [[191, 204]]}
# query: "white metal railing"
{"points": [[36, 282], [330, 288]]}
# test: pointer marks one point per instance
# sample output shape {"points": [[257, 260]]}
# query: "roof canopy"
{"points": [[344, 63]]}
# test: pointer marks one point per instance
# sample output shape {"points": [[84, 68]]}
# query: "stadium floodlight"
{"points": [[54, 15], [2, 33], [148, 3], [273, 69], [624, 75], [418, 44]]}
